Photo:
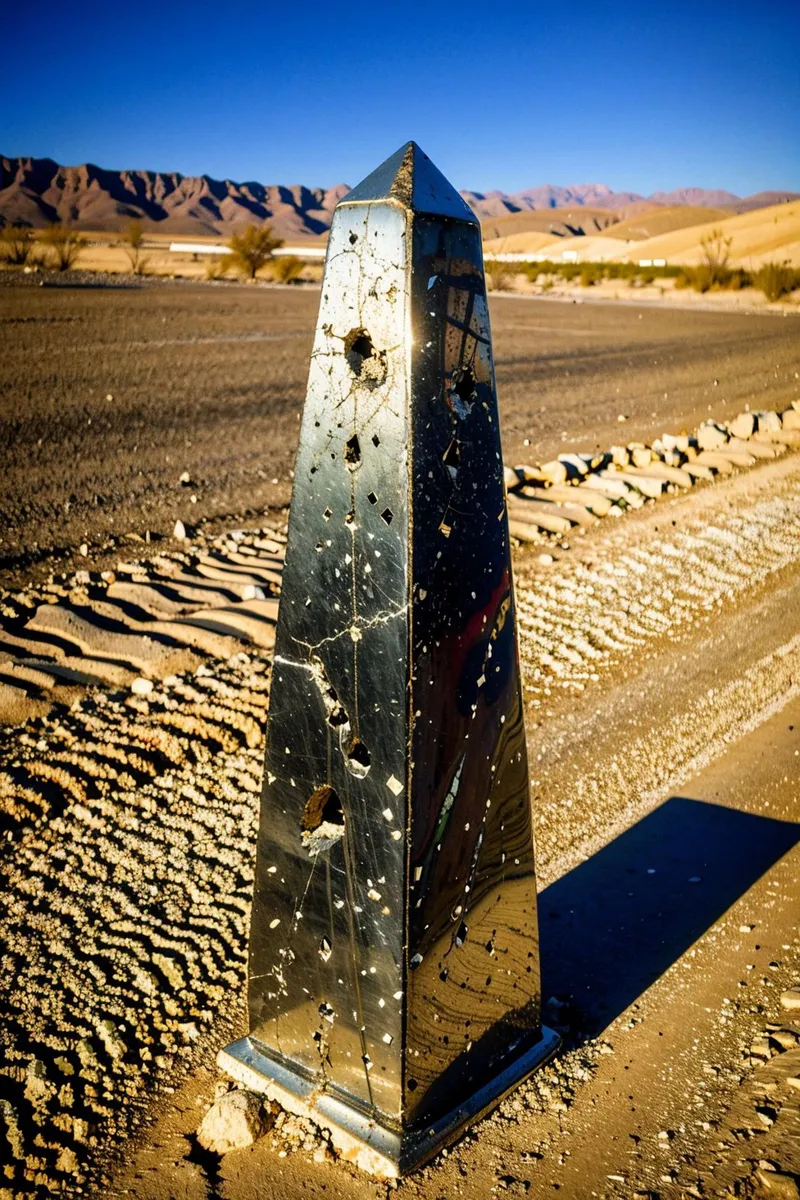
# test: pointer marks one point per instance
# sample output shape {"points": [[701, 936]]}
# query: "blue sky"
{"points": [[640, 96]]}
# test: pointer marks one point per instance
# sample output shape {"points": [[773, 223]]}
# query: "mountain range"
{"points": [[37, 191]]}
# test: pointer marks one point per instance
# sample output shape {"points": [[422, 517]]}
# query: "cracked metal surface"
{"points": [[394, 955]]}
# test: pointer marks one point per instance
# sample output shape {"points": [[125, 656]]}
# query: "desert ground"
{"points": [[148, 435]]}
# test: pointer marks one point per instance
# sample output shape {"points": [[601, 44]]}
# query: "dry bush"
{"points": [[62, 246], [776, 280], [252, 249], [134, 244], [288, 269], [217, 268], [16, 245], [499, 275]]}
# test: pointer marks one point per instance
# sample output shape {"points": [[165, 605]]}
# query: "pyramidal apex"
{"points": [[409, 177]]}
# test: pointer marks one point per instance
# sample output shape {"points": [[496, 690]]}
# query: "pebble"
{"points": [[711, 436], [142, 687], [251, 591], [791, 999], [234, 1122], [546, 560], [179, 531], [769, 422], [742, 426], [83, 549]]}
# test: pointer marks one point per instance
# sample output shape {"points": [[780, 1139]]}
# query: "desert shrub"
{"points": [[590, 274], [287, 269], [134, 243], [217, 268], [252, 249], [62, 246], [776, 279], [716, 252], [16, 245], [499, 274]]}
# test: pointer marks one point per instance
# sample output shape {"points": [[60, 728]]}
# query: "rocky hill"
{"points": [[37, 191]]}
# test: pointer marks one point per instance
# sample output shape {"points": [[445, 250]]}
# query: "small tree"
{"points": [[252, 248], [16, 244], [64, 245], [134, 242]]}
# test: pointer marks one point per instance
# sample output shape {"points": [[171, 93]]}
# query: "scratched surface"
{"points": [[393, 956]]}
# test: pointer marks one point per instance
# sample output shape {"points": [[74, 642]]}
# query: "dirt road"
{"points": [[109, 395], [660, 657]]}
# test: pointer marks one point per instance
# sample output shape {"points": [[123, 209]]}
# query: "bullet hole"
{"points": [[387, 515], [373, 499], [327, 514], [488, 981], [463, 391], [461, 933], [325, 950], [376, 441], [353, 239], [490, 946], [335, 712], [358, 759], [411, 1084], [443, 975], [352, 452], [322, 820], [350, 519], [367, 364], [451, 458], [326, 1011], [320, 546], [313, 471]]}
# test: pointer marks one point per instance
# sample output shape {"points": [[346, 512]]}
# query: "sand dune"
{"points": [[658, 221], [758, 236], [557, 222]]}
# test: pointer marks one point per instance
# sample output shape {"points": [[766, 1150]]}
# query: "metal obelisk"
{"points": [[394, 976]]}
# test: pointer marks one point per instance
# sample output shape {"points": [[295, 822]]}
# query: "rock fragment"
{"points": [[742, 426], [234, 1122], [790, 1000], [775, 1183], [711, 436], [768, 422]]}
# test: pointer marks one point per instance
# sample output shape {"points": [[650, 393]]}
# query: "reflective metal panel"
{"points": [[393, 958]]}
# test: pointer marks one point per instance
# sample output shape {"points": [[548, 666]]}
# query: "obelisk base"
{"points": [[357, 1138]]}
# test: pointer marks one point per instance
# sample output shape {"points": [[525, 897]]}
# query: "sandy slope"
{"points": [[759, 236], [658, 221], [763, 235]]}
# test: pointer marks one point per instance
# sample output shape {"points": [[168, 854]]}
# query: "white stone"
{"points": [[179, 531], [791, 419], [251, 591], [742, 426], [553, 472], [768, 422], [791, 999], [711, 436], [641, 456], [234, 1122], [142, 687], [83, 549]]}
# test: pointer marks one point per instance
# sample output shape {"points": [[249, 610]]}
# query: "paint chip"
{"points": [[394, 785]]}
